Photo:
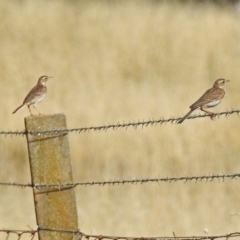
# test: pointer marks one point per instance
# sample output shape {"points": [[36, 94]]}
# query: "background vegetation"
{"points": [[119, 61]]}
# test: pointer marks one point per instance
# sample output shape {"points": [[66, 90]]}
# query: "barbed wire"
{"points": [[19, 233], [77, 234], [61, 186], [105, 127]]}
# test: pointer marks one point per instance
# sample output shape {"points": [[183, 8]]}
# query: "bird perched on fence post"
{"points": [[211, 98], [36, 95]]}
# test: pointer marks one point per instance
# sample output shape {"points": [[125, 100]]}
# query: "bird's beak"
{"points": [[228, 80], [50, 77]]}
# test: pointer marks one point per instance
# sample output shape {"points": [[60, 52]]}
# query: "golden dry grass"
{"points": [[120, 61]]}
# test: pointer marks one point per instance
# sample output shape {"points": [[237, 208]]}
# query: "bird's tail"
{"points": [[186, 116], [18, 108]]}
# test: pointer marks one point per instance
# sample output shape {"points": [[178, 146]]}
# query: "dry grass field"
{"points": [[119, 61]]}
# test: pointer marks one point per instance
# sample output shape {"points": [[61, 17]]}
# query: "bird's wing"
{"points": [[210, 95], [32, 94]]}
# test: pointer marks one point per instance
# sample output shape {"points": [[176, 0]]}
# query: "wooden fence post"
{"points": [[50, 163]]}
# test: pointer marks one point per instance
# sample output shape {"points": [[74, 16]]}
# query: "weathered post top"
{"points": [[50, 162]]}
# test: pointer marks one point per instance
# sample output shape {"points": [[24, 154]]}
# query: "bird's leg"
{"points": [[211, 114], [30, 110], [37, 110]]}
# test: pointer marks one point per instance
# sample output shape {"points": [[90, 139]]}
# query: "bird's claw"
{"points": [[212, 116]]}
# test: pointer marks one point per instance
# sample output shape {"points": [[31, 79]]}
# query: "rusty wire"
{"points": [[59, 186], [105, 127], [77, 234], [19, 233]]}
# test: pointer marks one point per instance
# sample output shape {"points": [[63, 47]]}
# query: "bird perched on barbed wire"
{"points": [[211, 98], [36, 95]]}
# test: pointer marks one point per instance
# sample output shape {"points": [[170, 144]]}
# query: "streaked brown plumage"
{"points": [[211, 98], [36, 95]]}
